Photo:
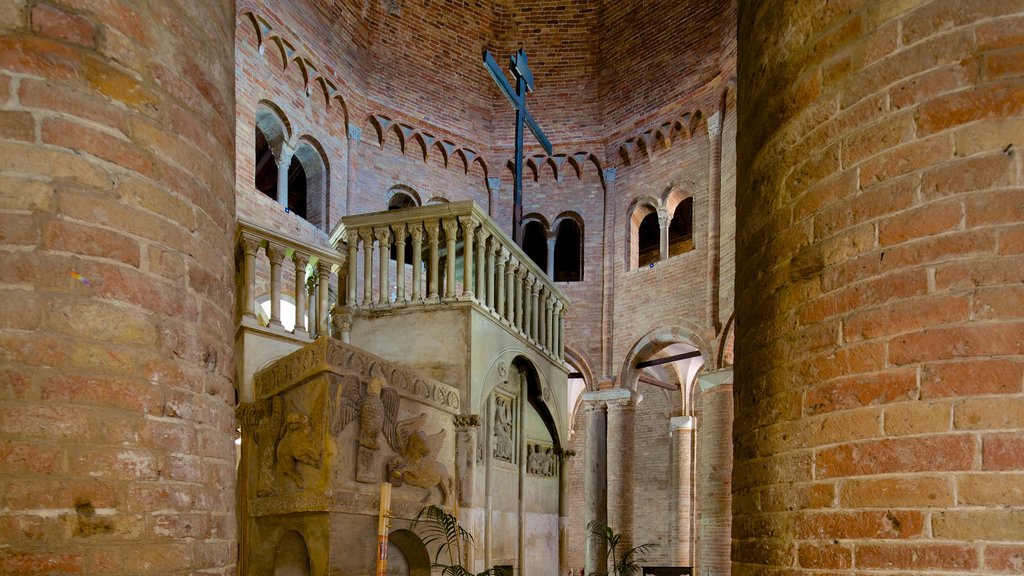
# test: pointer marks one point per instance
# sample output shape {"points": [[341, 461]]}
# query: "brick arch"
{"points": [[273, 122], [403, 189], [638, 209], [686, 333], [314, 161]]}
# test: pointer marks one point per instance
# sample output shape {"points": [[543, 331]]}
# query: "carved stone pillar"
{"points": [[492, 250], [384, 261], [300, 260], [432, 262], [323, 271], [542, 316], [549, 322], [284, 161], [467, 428], [351, 266], [399, 232], [366, 235], [481, 266], [595, 488], [416, 232], [469, 225], [517, 296], [560, 332], [499, 280], [250, 246], [342, 320], [529, 310], [276, 255], [564, 464], [621, 408], [550, 271], [451, 231], [681, 432], [535, 286], [663, 223]]}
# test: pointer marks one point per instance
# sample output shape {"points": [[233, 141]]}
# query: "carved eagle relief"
{"points": [[374, 405]]}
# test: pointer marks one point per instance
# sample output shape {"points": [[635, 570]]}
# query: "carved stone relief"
{"points": [[503, 425], [416, 463], [376, 408], [540, 460], [296, 447]]}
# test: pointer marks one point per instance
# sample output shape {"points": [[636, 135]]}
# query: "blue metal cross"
{"points": [[524, 83]]}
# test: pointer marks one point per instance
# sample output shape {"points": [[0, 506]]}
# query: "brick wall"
{"points": [[116, 363], [880, 360]]}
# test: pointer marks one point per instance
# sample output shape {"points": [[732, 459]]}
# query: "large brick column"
{"points": [[116, 221], [714, 472], [880, 254]]}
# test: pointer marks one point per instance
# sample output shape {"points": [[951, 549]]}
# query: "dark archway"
{"points": [[535, 243], [680, 231], [266, 166], [568, 252], [648, 240], [292, 556]]}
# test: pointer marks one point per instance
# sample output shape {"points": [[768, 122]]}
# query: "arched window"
{"points": [[568, 252], [307, 183], [680, 230], [401, 199], [266, 166], [648, 240], [535, 243]]}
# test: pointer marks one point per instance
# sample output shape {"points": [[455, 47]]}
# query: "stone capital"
{"points": [[323, 268], [366, 235], [469, 223], [609, 175], [432, 230], [566, 454], [383, 235], [416, 232], [677, 423], [300, 259], [399, 232], [467, 421], [354, 133], [276, 253], [493, 184], [715, 124], [250, 244], [451, 228]]}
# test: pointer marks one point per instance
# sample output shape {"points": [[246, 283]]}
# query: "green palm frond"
{"points": [[436, 526], [626, 563]]}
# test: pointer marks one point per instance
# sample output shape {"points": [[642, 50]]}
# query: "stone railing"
{"points": [[264, 250], [458, 254]]}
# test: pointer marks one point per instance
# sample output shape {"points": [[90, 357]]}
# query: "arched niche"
{"points": [[292, 556], [407, 556], [308, 178]]}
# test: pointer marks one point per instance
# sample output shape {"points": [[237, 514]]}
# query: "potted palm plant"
{"points": [[437, 527], [622, 561]]}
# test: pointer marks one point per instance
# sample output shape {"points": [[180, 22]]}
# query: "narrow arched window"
{"points": [[568, 252], [266, 166], [307, 183], [401, 201], [648, 240], [535, 243], [297, 185], [680, 231]]}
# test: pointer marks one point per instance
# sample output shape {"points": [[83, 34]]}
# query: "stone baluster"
{"points": [[351, 277], [481, 266], [399, 232], [542, 322], [300, 260], [416, 232], [366, 235], [469, 225], [499, 279], [276, 254], [535, 286], [518, 290], [323, 271], [549, 314], [250, 246], [560, 332], [451, 231], [510, 291], [493, 250], [432, 263], [383, 254]]}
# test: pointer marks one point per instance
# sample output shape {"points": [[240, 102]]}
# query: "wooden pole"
{"points": [[382, 528]]}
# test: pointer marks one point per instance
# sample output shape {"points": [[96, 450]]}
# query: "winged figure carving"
{"points": [[374, 405], [417, 463]]}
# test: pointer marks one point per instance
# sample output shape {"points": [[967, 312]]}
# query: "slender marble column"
{"points": [[399, 232], [300, 260], [663, 228], [499, 279], [517, 298], [284, 162], [469, 225], [432, 263], [416, 232], [492, 250], [451, 231], [276, 255], [383, 254], [551, 258], [481, 266], [351, 277], [323, 270], [595, 487], [250, 246]]}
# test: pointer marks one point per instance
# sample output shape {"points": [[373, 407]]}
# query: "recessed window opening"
{"points": [[401, 201], [649, 240], [680, 231], [568, 252], [266, 166], [297, 189], [535, 243]]}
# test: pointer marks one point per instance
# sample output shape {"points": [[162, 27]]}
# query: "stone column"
{"points": [[560, 333], [433, 260], [351, 265], [481, 266], [550, 271], [621, 461], [492, 249], [469, 225], [521, 432], [275, 254], [564, 469], [466, 429], [549, 313], [451, 231], [681, 432], [517, 296], [542, 317], [300, 260], [323, 270], [714, 216], [714, 473], [352, 152], [499, 280], [529, 305], [250, 246], [595, 487], [366, 235], [663, 224], [384, 261], [416, 232], [399, 232], [283, 157], [608, 272]]}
